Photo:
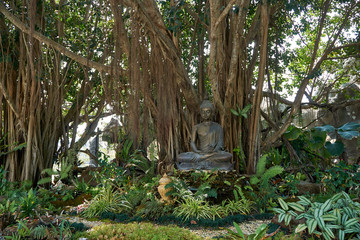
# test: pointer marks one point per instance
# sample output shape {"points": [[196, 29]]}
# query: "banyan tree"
{"points": [[153, 62]]}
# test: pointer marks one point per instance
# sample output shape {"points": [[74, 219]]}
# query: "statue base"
{"points": [[205, 165]]}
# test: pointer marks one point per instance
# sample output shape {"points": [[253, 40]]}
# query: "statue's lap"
{"points": [[217, 160]]}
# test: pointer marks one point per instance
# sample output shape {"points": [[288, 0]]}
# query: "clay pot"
{"points": [[161, 188]]}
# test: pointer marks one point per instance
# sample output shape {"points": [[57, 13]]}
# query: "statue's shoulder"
{"points": [[216, 125]]}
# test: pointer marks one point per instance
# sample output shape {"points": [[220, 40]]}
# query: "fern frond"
{"points": [[260, 167], [39, 232], [270, 173]]}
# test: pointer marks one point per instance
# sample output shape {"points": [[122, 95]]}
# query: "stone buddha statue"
{"points": [[207, 142]]}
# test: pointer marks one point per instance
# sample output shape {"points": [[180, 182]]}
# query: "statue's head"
{"points": [[206, 110]]}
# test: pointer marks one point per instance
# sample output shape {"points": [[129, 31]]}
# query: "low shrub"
{"points": [[104, 202], [196, 208], [137, 231]]}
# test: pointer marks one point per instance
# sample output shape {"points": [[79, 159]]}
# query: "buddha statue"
{"points": [[207, 142]]}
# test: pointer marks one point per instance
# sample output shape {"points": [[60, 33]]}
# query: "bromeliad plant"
{"points": [[338, 217]]}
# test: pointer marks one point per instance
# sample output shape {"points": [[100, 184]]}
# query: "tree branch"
{"points": [[223, 14], [83, 61]]}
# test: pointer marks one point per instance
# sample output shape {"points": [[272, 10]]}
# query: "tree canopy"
{"points": [[153, 62]]}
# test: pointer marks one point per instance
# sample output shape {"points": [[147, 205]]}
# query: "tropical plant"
{"points": [[28, 203], [110, 172], [260, 233], [62, 232], [23, 232], [240, 204], [8, 207], [263, 175], [40, 232], [347, 131], [341, 177], [9, 212], [194, 208], [63, 172], [140, 163], [265, 191], [81, 186], [314, 144], [181, 190], [153, 209], [290, 182], [337, 217], [106, 201]]}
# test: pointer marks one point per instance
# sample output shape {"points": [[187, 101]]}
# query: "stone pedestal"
{"points": [[205, 165]]}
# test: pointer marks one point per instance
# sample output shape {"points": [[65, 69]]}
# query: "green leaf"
{"points": [[281, 217], [349, 134], [254, 180], [293, 134], [305, 201], [332, 226], [227, 183], [233, 111], [320, 222], [344, 218], [44, 180], [287, 219], [317, 142], [246, 108], [346, 196], [336, 197], [297, 207], [349, 211], [325, 128], [260, 231], [283, 204], [292, 213], [300, 216], [311, 224], [335, 149], [341, 235], [301, 227], [351, 222], [329, 217], [326, 206], [349, 126], [329, 232], [326, 236], [238, 229], [278, 210], [350, 230]]}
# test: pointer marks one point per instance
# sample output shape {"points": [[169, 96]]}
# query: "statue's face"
{"points": [[206, 113]]}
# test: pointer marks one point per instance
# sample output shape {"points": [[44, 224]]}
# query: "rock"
{"points": [[307, 187]]}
